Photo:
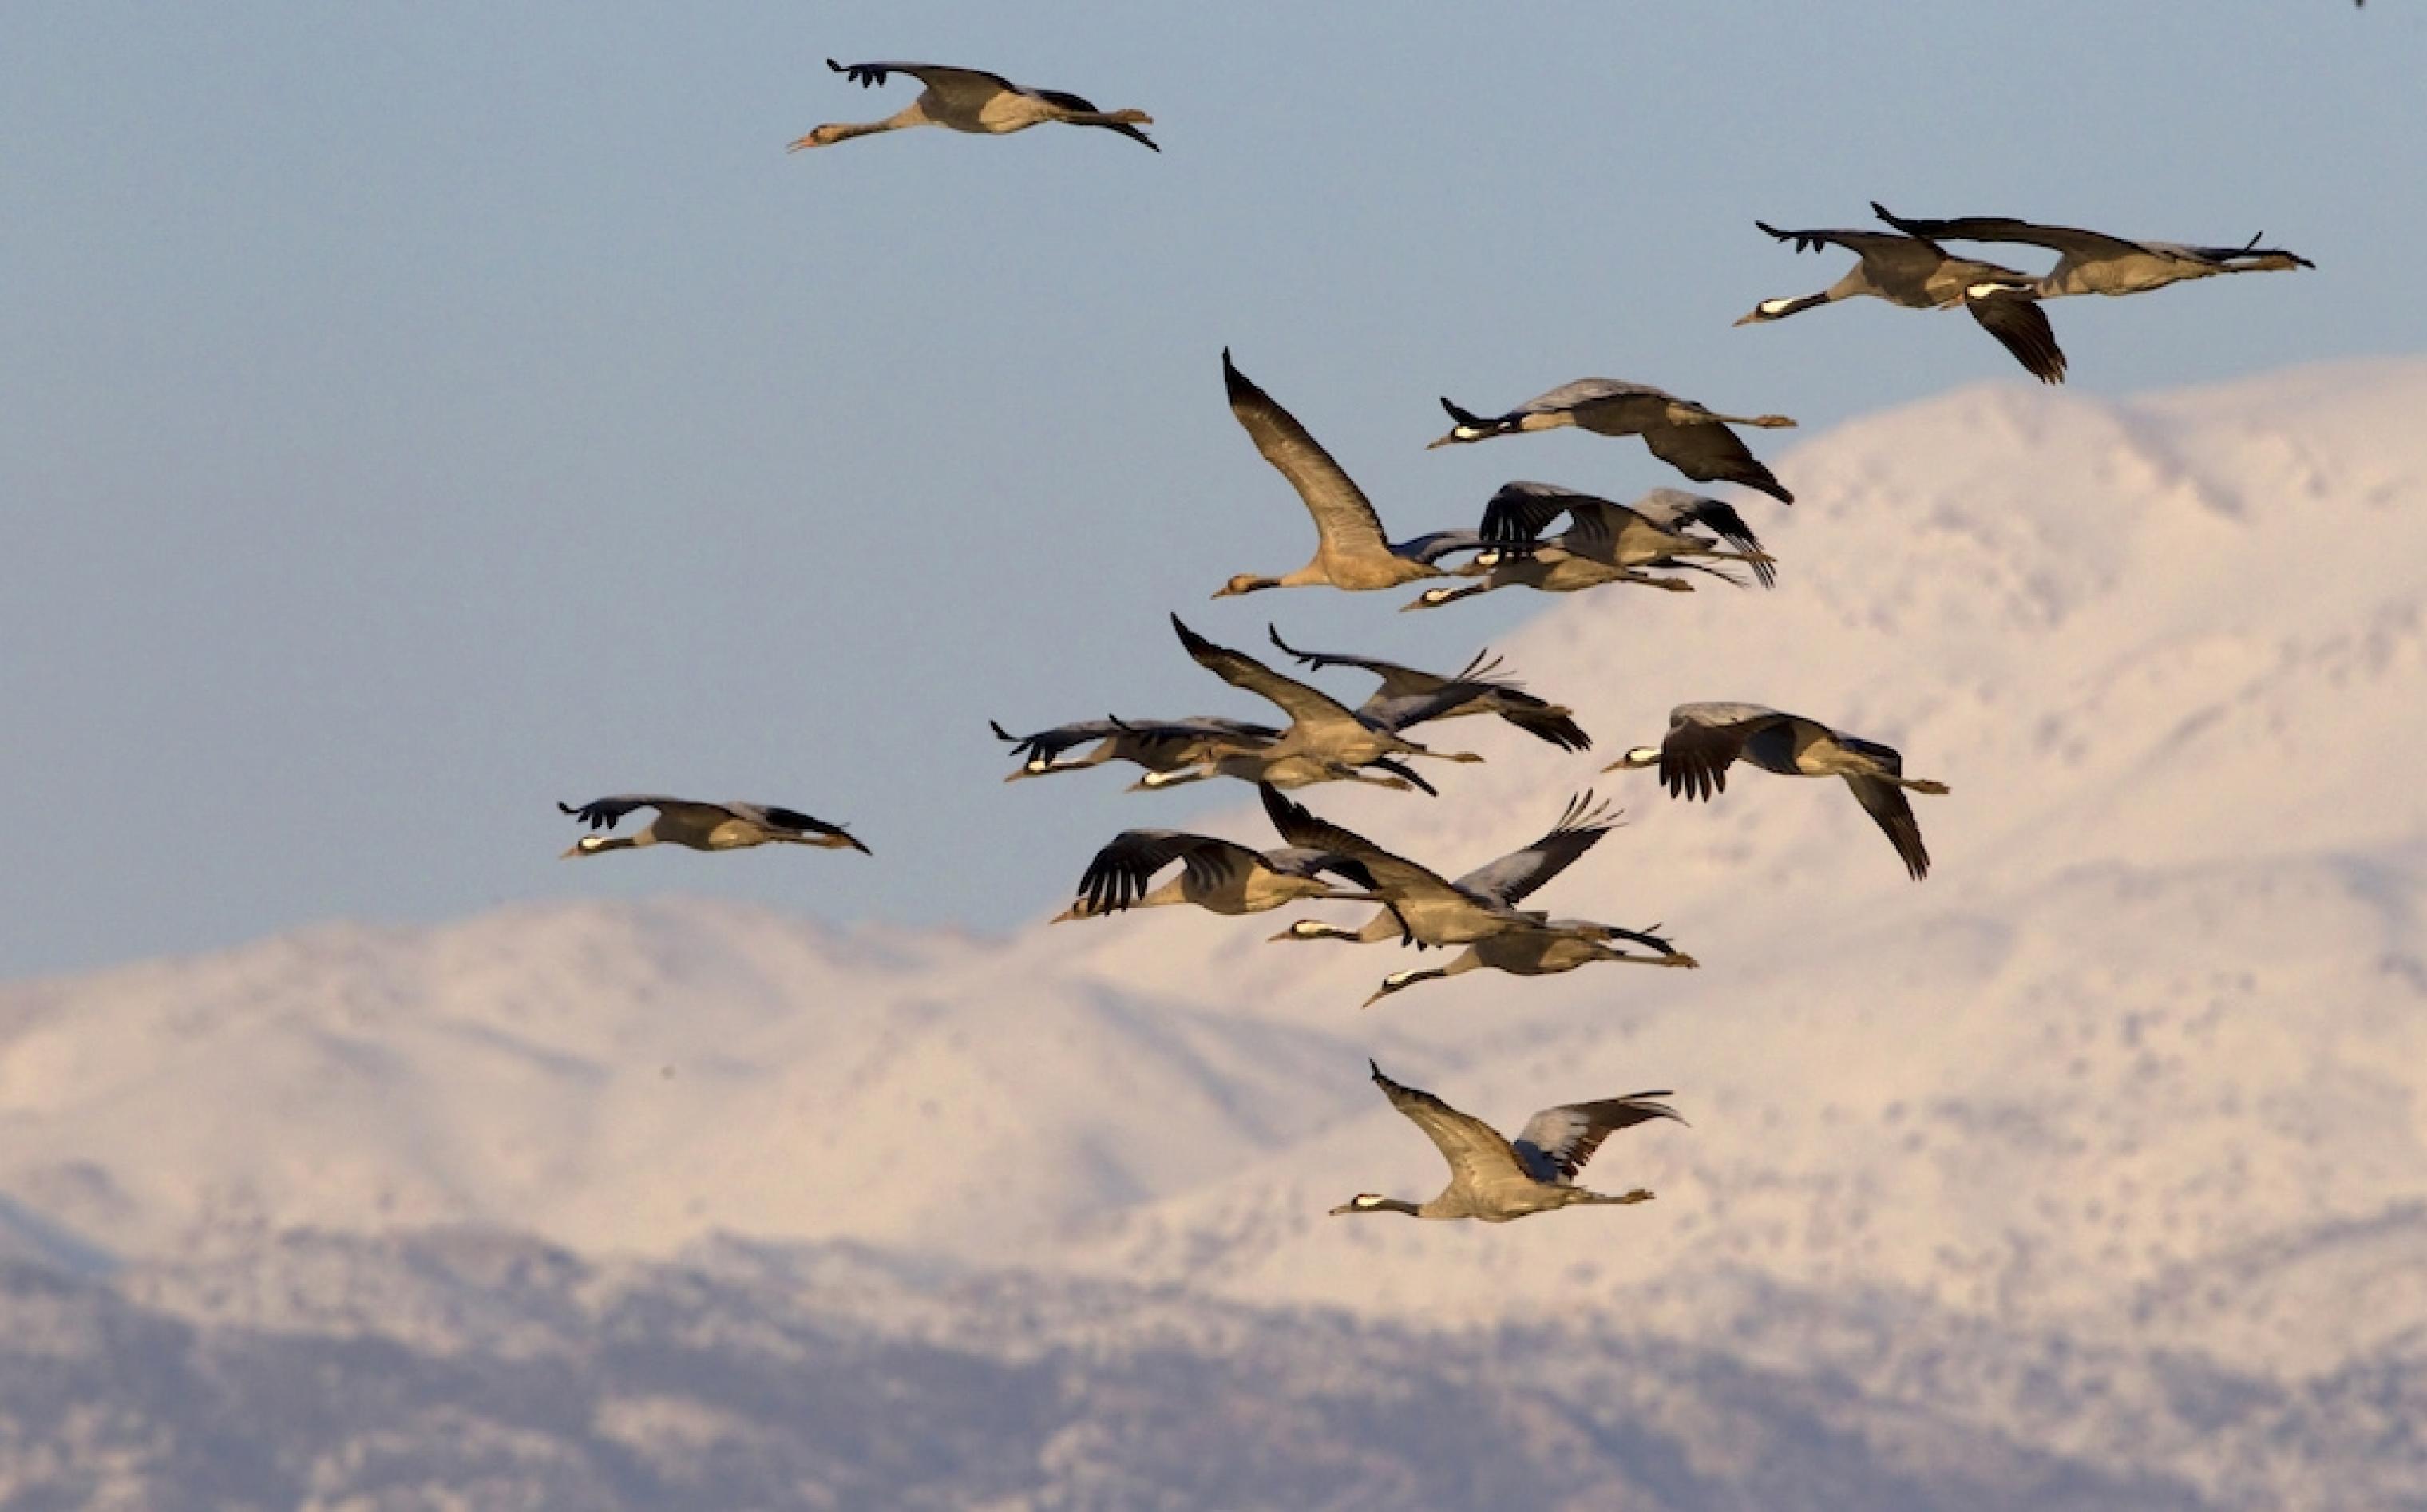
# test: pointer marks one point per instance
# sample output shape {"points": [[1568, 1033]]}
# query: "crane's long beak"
{"points": [[570, 852], [1747, 319], [1450, 440]]}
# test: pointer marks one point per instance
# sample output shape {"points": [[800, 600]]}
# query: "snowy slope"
{"points": [[2157, 1015]]}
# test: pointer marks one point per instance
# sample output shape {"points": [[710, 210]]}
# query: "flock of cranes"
{"points": [[1654, 542]]}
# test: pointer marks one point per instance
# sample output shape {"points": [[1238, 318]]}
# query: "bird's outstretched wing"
{"points": [[1123, 870], [1521, 511], [2021, 326], [1433, 545], [970, 83], [1520, 873], [1675, 508], [1557, 1142], [1475, 1151], [1703, 740], [602, 813], [1713, 453], [1407, 679], [1344, 516], [1920, 254], [1585, 391], [1390, 871], [1044, 745], [1888, 805], [2071, 241], [1295, 699]]}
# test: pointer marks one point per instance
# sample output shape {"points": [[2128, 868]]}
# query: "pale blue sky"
{"points": [[415, 415]]}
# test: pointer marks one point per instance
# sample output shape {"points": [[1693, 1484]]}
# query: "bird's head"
{"points": [[823, 136], [1246, 582], [587, 845], [1395, 981], [1432, 599], [1767, 309], [1305, 929], [1364, 1202], [1640, 755]]}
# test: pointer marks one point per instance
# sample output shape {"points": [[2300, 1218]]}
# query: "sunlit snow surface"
{"points": [[2088, 1173]]}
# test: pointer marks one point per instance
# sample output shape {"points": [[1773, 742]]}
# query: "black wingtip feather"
{"points": [[1234, 383]]}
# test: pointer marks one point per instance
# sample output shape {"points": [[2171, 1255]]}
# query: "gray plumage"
{"points": [[1548, 567], [1689, 436], [968, 99], [1478, 910], [1430, 909], [1658, 529], [1503, 883], [1918, 274], [1217, 875], [2092, 262], [1703, 739], [704, 827], [1493, 1180], [1351, 550], [1157, 745], [1541, 948], [1325, 739], [1407, 695]]}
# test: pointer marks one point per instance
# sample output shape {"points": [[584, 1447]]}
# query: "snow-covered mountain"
{"points": [[2143, 1066]]}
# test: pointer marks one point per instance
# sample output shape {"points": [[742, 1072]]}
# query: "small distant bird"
{"points": [[1495, 1181], [1404, 691], [1326, 741], [1704, 739], [1694, 440], [1219, 876], [966, 99], [1919, 274], [2092, 261], [705, 826], [1157, 745], [1351, 551]]}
